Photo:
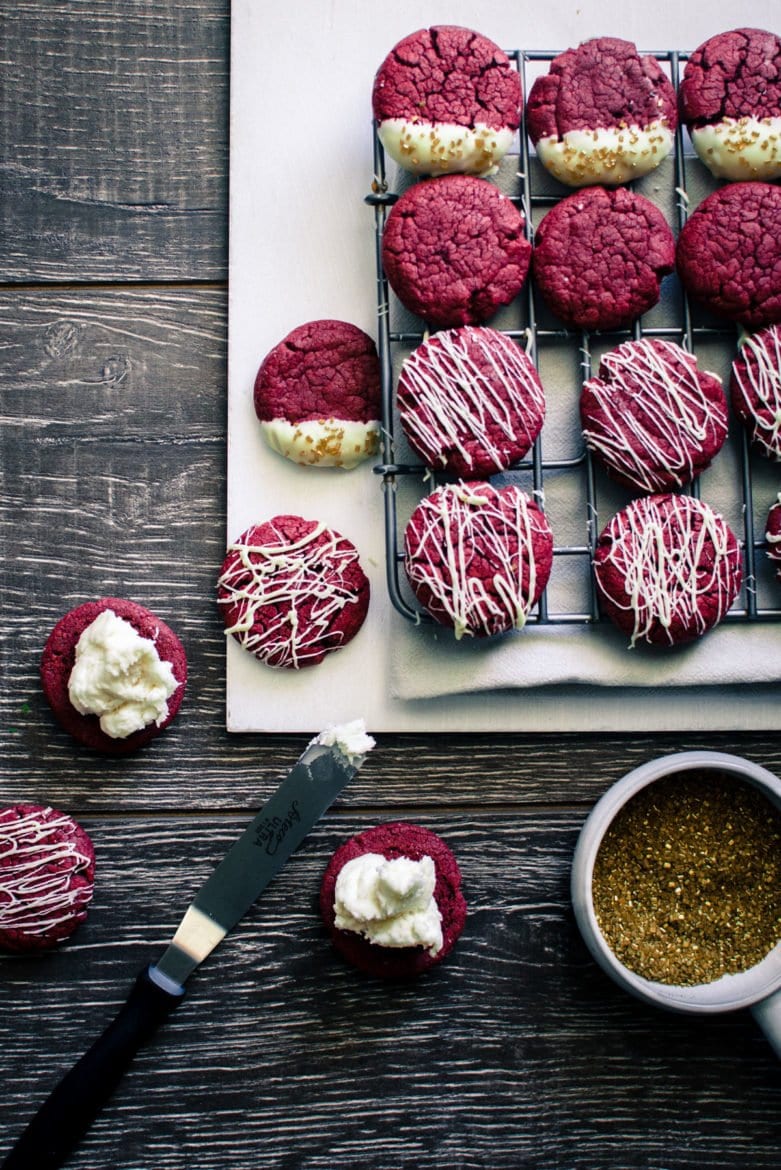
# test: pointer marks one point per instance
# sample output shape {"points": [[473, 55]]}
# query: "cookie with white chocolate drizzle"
{"points": [[292, 591], [478, 557], [668, 567], [773, 533], [470, 401], [755, 390], [651, 416], [47, 871]]}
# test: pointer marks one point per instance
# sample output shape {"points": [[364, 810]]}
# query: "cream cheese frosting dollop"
{"points": [[119, 676], [351, 738], [389, 902]]}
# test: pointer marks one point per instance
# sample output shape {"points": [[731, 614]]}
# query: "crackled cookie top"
{"points": [[447, 99], [470, 401], [730, 98], [667, 568], [292, 591], [602, 114], [454, 250], [478, 557], [755, 389], [651, 416], [317, 395], [729, 253], [600, 256]]}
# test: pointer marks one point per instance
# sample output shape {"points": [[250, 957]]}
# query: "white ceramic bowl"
{"points": [[759, 987]]}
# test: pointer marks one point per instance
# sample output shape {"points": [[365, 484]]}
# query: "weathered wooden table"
{"points": [[517, 1052]]}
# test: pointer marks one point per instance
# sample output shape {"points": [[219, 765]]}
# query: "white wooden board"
{"points": [[302, 247]]}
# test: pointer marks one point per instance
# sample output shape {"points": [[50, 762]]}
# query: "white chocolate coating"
{"points": [[390, 903], [740, 148], [659, 556], [428, 148], [36, 891], [119, 676], [456, 521], [758, 385], [609, 155], [473, 384], [326, 442], [655, 441], [285, 576]]}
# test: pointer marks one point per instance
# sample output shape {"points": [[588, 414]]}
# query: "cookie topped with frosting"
{"points": [[602, 114], [114, 674], [47, 873], [470, 401], [668, 568], [651, 416], [730, 99], [447, 99], [391, 900], [292, 591]]}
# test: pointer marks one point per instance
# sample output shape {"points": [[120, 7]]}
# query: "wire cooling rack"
{"points": [[743, 484]]}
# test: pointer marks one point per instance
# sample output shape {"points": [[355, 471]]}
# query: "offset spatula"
{"points": [[248, 867]]}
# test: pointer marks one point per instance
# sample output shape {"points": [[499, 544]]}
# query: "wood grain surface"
{"points": [[113, 122], [517, 1052]]}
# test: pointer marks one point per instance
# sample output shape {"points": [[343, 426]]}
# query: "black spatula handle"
{"points": [[65, 1116]]}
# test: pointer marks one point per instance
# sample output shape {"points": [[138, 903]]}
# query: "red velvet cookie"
{"points": [[729, 253], [668, 568], [773, 534], [47, 872], [317, 395], [651, 417], [292, 591], [59, 659], [730, 99], [470, 401], [755, 390], [600, 256], [602, 114], [447, 99], [454, 250], [392, 840], [478, 557]]}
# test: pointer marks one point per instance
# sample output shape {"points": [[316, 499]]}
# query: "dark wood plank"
{"points": [[516, 1052], [113, 140]]}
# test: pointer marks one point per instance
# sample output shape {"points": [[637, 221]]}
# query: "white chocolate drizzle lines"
{"points": [[654, 421], [671, 554], [37, 866], [461, 525], [282, 577], [462, 389], [757, 384]]}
